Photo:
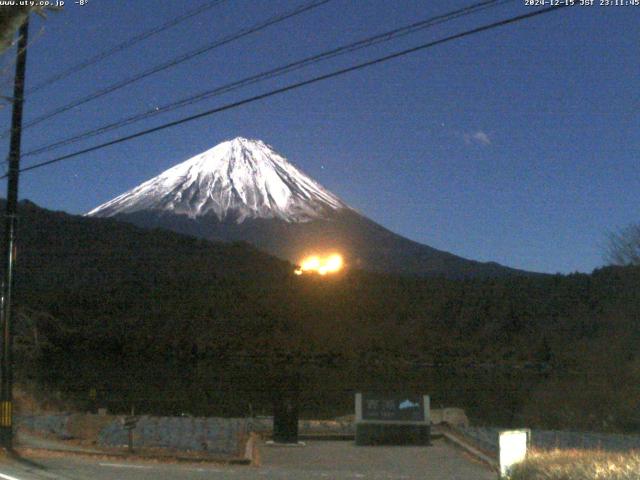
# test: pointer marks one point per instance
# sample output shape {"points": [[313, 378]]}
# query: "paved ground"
{"points": [[343, 460], [318, 460], [27, 440]]}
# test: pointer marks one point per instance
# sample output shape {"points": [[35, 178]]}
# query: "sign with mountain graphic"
{"points": [[393, 408]]}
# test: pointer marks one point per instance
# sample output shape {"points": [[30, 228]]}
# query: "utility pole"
{"points": [[6, 367]]}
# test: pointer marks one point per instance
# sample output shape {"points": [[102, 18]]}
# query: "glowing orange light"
{"points": [[321, 265]]}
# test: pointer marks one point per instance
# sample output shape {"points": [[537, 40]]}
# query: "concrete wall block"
{"points": [[180, 433], [54, 424], [113, 435]]}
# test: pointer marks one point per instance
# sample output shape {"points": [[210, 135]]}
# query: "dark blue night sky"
{"points": [[519, 145]]}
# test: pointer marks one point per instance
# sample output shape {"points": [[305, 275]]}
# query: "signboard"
{"points": [[392, 408], [392, 419], [409, 408], [130, 422]]}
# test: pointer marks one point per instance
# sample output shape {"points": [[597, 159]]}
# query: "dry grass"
{"points": [[578, 465], [27, 402]]}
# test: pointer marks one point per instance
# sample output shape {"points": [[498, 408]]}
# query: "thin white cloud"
{"points": [[479, 137]]}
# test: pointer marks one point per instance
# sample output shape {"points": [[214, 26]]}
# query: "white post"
{"points": [[513, 449], [358, 407], [426, 401]]}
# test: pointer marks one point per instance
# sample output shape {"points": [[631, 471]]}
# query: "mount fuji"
{"points": [[243, 190]]}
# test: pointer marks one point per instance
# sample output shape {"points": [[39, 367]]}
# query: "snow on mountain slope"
{"points": [[235, 180]]}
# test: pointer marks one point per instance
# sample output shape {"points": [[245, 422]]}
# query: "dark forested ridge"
{"points": [[174, 324], [360, 240]]}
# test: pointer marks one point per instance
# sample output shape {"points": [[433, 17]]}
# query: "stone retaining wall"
{"points": [[55, 424], [211, 435]]}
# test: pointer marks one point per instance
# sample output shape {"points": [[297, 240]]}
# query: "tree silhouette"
{"points": [[624, 246]]}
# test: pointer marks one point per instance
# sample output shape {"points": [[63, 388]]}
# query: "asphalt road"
{"points": [[317, 460]]}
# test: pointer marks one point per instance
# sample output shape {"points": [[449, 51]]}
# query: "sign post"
{"points": [[129, 423]]}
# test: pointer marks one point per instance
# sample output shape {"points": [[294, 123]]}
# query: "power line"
{"points": [[183, 58], [296, 86], [130, 42], [288, 68]]}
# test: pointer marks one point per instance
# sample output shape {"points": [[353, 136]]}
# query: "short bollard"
{"points": [[513, 449]]}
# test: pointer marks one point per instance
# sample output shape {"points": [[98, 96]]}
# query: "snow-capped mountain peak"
{"points": [[235, 180]]}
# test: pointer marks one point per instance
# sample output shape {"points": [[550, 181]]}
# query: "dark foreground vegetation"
{"points": [[112, 315], [578, 465]]}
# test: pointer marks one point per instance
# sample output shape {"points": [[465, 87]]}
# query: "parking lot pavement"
{"points": [[345, 460], [340, 460]]}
